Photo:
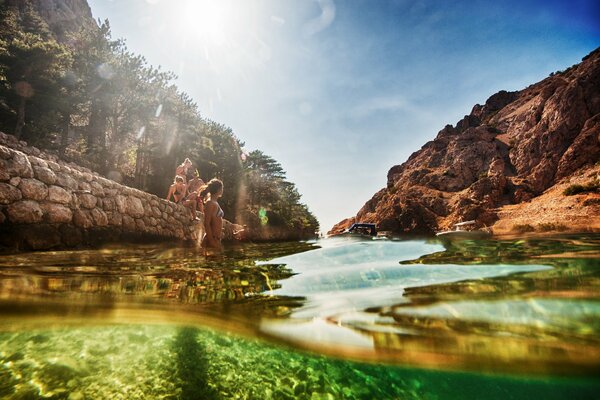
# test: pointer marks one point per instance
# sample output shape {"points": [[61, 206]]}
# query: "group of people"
{"points": [[190, 190]]}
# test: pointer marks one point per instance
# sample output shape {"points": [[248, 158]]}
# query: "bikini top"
{"points": [[220, 212]]}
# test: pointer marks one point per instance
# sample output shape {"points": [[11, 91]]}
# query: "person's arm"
{"points": [[171, 191]]}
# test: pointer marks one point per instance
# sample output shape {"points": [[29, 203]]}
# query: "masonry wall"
{"points": [[47, 203]]}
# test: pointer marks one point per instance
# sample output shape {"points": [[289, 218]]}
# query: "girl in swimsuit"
{"points": [[178, 190], [213, 214], [182, 169]]}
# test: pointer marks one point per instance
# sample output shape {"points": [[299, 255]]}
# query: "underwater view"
{"points": [[329, 319]]}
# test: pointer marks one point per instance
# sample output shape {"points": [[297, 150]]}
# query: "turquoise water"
{"points": [[332, 319]]}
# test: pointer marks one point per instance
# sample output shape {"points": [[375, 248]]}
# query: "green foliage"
{"points": [[592, 186], [551, 227], [31, 68], [523, 228], [104, 107], [271, 198]]}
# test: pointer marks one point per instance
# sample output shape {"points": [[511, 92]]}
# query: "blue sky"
{"points": [[340, 91]]}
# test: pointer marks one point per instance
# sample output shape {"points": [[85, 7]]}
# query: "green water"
{"points": [[336, 319]]}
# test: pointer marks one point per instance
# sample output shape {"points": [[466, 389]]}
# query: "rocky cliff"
{"points": [[62, 16], [508, 151]]}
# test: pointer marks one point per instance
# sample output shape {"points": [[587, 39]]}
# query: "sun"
{"points": [[211, 21]]}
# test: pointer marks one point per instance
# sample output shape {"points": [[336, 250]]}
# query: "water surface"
{"points": [[381, 319]]}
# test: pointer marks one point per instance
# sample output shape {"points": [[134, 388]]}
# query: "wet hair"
{"points": [[212, 187], [178, 178]]}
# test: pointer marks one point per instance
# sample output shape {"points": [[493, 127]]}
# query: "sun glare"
{"points": [[213, 22]]}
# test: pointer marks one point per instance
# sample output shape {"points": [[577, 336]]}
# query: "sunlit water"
{"points": [[335, 319]]}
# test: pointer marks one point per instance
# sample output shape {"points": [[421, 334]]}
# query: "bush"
{"points": [[591, 186], [523, 228], [549, 226]]}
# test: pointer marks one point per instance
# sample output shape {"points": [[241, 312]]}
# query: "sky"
{"points": [[339, 91]]}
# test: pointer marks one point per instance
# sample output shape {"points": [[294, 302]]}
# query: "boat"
{"points": [[464, 231], [360, 230]]}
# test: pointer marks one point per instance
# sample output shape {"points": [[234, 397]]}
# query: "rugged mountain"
{"points": [[62, 16], [508, 151]]}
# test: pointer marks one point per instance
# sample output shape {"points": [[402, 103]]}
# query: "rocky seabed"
{"points": [[47, 203]]}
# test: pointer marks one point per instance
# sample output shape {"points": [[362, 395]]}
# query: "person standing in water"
{"points": [[213, 214]]}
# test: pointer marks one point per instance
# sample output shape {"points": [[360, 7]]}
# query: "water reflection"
{"points": [[81, 281], [529, 305]]}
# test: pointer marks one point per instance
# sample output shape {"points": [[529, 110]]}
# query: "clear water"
{"points": [[336, 319]]}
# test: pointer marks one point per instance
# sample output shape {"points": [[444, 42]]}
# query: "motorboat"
{"points": [[364, 230], [464, 231]]}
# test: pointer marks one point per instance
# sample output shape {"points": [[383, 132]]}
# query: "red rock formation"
{"points": [[510, 150]]}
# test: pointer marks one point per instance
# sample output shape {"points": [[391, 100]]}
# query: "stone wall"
{"points": [[47, 203]]}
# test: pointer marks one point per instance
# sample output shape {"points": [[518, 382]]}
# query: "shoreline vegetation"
{"points": [[80, 94]]}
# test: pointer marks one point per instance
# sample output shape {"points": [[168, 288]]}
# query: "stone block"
{"points": [[24, 212], [156, 212], [85, 187], [128, 223], [135, 207], [114, 218], [108, 204], [86, 200], [19, 166], [140, 225], [15, 181], [57, 194], [83, 219], [57, 213], [97, 189], [100, 217], [121, 202], [9, 194], [5, 153], [53, 166], [87, 176], [38, 162], [33, 189], [4, 175], [45, 175], [64, 180], [105, 182]]}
